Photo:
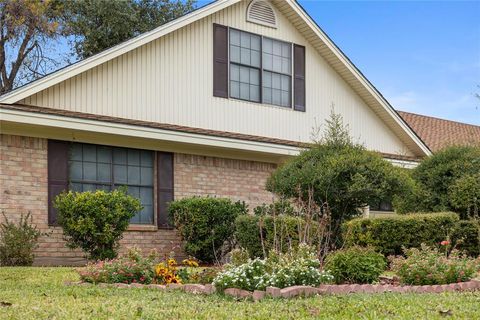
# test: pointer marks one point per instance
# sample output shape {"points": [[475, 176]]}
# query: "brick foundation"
{"points": [[23, 188]]}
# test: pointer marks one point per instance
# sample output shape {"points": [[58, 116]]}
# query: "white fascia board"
{"points": [[64, 122], [109, 54]]}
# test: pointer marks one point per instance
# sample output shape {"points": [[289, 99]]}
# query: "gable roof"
{"points": [[297, 16], [439, 133]]}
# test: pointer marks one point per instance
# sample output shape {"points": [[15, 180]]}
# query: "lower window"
{"points": [[93, 167], [383, 206]]}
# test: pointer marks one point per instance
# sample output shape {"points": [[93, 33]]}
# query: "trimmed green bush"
{"points": [[389, 234], [205, 224], [355, 265], [465, 237], [281, 232], [95, 221], [17, 241]]}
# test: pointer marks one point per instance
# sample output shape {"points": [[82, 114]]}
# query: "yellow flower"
{"points": [[171, 262]]}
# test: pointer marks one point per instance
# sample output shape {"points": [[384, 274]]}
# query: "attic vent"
{"points": [[261, 12]]}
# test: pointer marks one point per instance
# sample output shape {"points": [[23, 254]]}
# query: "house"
{"points": [[440, 133], [208, 104]]}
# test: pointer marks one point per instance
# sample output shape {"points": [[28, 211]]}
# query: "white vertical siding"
{"points": [[170, 81]]}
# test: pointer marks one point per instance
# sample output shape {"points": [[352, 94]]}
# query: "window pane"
{"points": [[119, 174], [254, 77], [134, 191], [89, 153], [244, 56], [235, 37], [254, 93], [133, 157], [267, 95], [76, 170], [276, 97], [235, 89], [244, 75], [277, 48], [104, 171], [146, 158], [234, 72], [104, 154], [89, 171], [255, 42], [276, 83], [88, 187], [267, 45], [244, 91], [285, 83], [146, 176], [120, 156], [267, 79], [285, 99], [146, 196], [245, 40], [267, 61], [235, 54], [76, 152], [286, 50], [76, 187], [133, 175], [277, 64], [135, 219], [255, 58], [286, 65]]}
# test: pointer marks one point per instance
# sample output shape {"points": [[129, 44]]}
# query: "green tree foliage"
{"points": [[446, 181], [341, 175], [205, 224], [95, 221], [99, 25]]}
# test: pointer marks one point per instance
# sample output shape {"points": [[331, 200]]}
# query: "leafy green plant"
{"points": [[297, 267], [239, 256], [129, 268], [355, 265], [18, 241], [388, 235], [341, 175], [95, 221], [465, 237], [428, 266], [260, 234], [440, 183], [205, 224]]}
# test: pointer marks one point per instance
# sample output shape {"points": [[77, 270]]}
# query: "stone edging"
{"points": [[296, 291]]}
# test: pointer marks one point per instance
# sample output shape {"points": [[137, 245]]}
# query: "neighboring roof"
{"points": [[439, 133], [171, 127], [298, 17]]}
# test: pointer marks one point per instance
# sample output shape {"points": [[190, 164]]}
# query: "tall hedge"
{"points": [[205, 224], [388, 234], [465, 236], [250, 230]]}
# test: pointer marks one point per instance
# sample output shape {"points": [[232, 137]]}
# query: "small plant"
{"points": [[17, 241], [429, 266], [356, 265], [297, 267], [205, 224], [95, 221], [130, 268], [166, 272], [238, 256]]}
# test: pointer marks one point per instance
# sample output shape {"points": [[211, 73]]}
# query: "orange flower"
{"points": [[445, 243]]}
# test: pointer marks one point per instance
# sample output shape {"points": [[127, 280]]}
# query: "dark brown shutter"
{"points": [[299, 78], [57, 174], [165, 187], [220, 61]]}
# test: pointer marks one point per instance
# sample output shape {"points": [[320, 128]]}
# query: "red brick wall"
{"points": [[23, 188]]}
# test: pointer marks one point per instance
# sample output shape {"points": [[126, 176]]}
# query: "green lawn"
{"points": [[39, 293]]}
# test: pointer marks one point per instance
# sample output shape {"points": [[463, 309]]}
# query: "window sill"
{"points": [[140, 227]]}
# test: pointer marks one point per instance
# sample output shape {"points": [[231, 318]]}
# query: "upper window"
{"points": [[94, 167], [255, 59]]}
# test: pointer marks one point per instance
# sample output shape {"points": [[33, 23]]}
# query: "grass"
{"points": [[39, 293]]}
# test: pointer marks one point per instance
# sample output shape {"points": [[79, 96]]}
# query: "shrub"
{"points": [[427, 266], [389, 234], [279, 207], [464, 195], [298, 267], [355, 265], [340, 175], [239, 256], [17, 241], [130, 268], [95, 221], [465, 237], [279, 232], [205, 224], [436, 175]]}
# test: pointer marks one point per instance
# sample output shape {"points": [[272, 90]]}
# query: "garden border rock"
{"points": [[296, 291]]}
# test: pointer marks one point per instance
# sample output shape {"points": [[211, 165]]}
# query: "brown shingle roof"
{"points": [[439, 133], [172, 127]]}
